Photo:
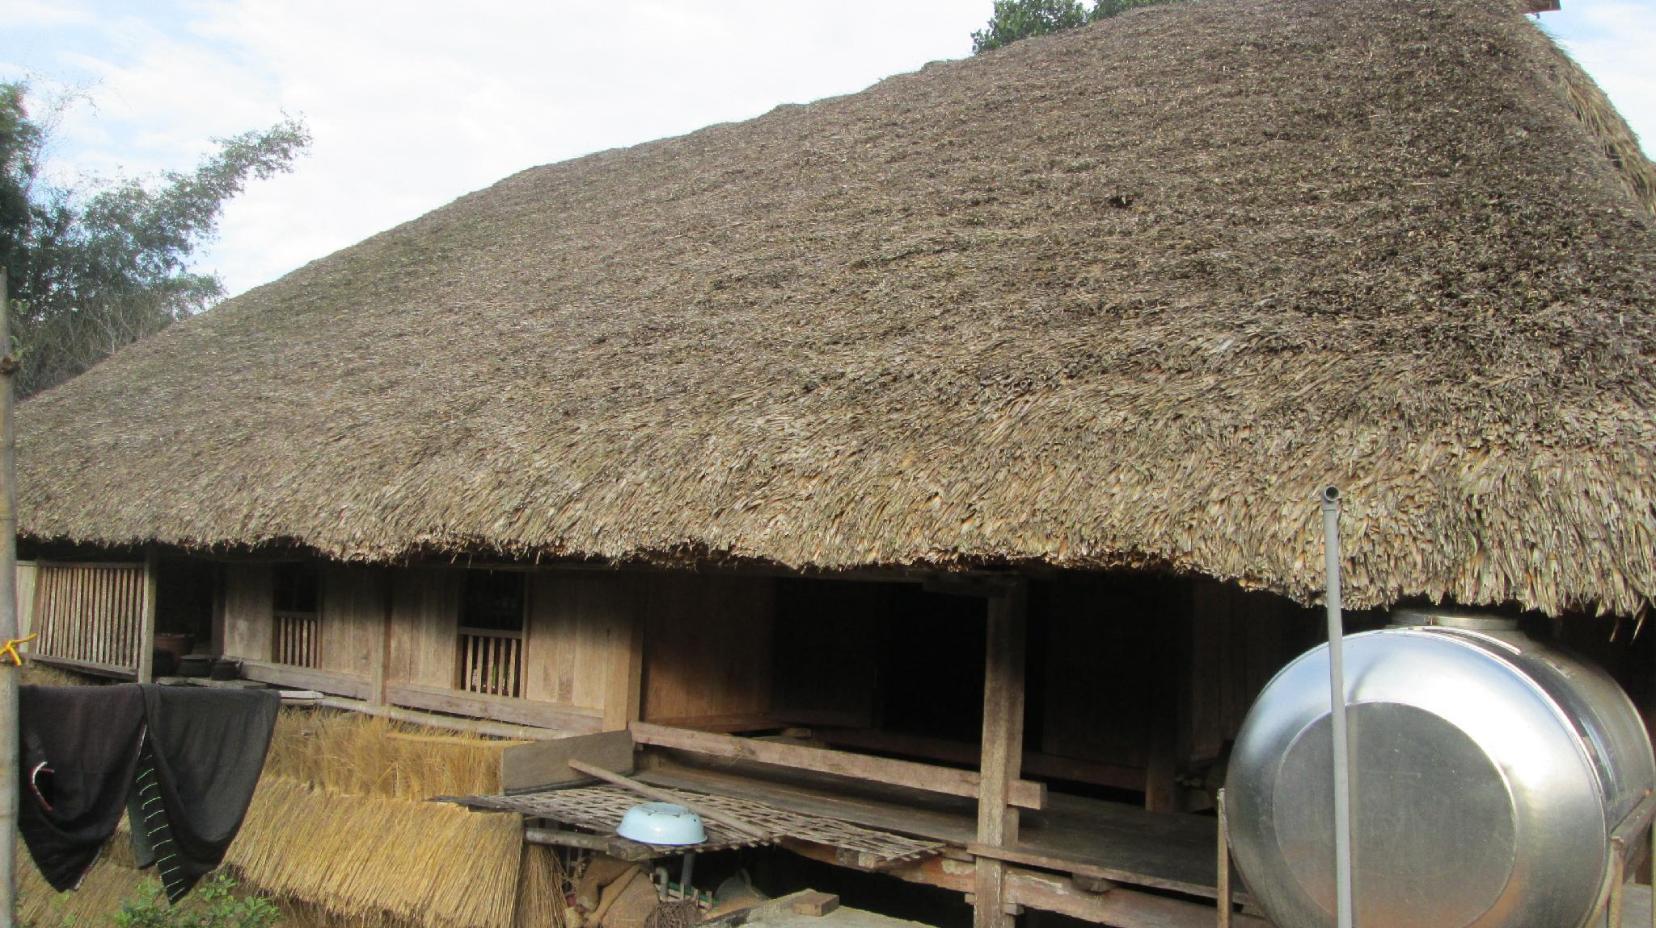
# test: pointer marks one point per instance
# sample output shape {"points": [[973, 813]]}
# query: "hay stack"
{"points": [[368, 860], [371, 756]]}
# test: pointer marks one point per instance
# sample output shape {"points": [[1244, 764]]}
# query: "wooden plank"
{"points": [[623, 672], [613, 846], [839, 763], [70, 663], [812, 903], [960, 752], [430, 720], [545, 764], [307, 678], [425, 637], [571, 719], [707, 645], [380, 653], [1121, 908], [249, 611], [1002, 751]]}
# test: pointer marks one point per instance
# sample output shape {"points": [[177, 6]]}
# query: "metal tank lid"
{"points": [[1450, 617]]}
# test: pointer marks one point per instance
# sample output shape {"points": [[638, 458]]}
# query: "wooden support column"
{"points": [[624, 675], [146, 621], [1002, 763]]}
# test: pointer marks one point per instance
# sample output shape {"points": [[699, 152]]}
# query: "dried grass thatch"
{"points": [[370, 860], [346, 752], [1124, 295]]}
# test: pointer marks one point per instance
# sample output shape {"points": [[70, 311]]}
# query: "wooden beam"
{"points": [[146, 621], [619, 848], [927, 777], [1002, 751], [567, 719], [624, 673], [545, 764], [332, 682], [1097, 773], [91, 667], [1121, 907], [449, 722]]}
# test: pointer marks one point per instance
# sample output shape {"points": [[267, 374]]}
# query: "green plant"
{"points": [[213, 904]]}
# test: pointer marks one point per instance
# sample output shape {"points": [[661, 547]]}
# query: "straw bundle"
{"points": [[366, 755], [107, 885], [1121, 296], [370, 860]]}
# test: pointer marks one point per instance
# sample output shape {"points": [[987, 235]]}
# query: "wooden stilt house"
{"points": [[960, 436]]}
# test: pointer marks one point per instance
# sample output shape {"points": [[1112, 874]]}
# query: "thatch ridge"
{"points": [[1122, 295]]}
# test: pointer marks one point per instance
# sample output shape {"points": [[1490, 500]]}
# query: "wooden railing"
{"points": [[89, 614], [491, 662], [298, 639]]}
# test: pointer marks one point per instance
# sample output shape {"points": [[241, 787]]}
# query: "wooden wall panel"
{"points": [[353, 613], [1239, 640], [248, 607], [707, 645], [425, 620], [578, 621]]}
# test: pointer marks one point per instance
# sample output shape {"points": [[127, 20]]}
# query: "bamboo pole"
{"points": [[8, 621], [145, 670]]}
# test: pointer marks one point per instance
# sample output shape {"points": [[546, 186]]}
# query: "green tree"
{"points": [[92, 269], [1020, 19]]}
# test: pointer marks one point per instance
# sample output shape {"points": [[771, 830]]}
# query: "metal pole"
{"points": [[1337, 706], [1224, 888], [8, 622]]}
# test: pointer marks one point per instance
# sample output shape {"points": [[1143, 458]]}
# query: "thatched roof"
{"points": [[1125, 295]]}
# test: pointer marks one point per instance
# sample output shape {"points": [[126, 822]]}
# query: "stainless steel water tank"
{"points": [[1490, 774]]}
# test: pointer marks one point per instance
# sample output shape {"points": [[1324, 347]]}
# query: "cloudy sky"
{"points": [[414, 103]]}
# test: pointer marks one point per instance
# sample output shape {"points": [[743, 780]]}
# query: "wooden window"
{"points": [[298, 610], [491, 633]]}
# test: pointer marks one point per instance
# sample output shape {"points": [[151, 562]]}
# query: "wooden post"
{"points": [[1002, 763], [8, 621], [146, 622], [624, 677]]}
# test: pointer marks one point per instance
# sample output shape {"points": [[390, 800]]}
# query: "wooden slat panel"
{"points": [[81, 612]]}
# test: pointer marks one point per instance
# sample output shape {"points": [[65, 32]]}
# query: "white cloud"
{"points": [[1615, 41], [411, 106]]}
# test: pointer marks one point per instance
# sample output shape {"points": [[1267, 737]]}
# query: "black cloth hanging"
{"points": [[79, 750], [202, 756], [183, 760]]}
